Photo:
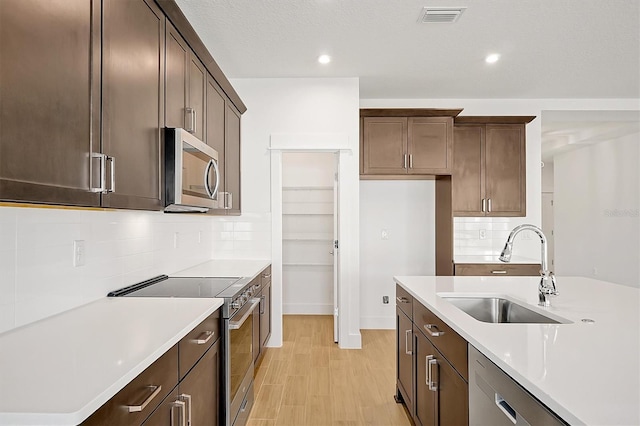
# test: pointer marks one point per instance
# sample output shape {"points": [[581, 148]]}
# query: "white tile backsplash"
{"points": [[467, 241], [247, 236], [37, 276]]}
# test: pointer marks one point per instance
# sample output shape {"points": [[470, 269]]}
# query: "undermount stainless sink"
{"points": [[498, 310]]}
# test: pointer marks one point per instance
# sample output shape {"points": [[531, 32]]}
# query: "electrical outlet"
{"points": [[385, 300], [384, 234], [483, 234], [79, 253]]}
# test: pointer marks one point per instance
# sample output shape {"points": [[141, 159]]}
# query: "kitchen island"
{"points": [[587, 372]]}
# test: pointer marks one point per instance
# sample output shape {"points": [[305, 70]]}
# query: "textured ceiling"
{"points": [[549, 48]]}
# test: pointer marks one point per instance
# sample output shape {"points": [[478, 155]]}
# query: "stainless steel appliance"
{"points": [[496, 399], [237, 314], [192, 176]]}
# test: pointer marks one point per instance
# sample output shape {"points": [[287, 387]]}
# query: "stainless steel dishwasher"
{"points": [[495, 399]]}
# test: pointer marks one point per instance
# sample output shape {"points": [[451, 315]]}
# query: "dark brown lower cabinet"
{"points": [[404, 356], [441, 396], [195, 401]]}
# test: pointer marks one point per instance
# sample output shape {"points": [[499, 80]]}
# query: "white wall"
{"points": [[37, 276], [304, 106], [597, 220], [406, 211]]}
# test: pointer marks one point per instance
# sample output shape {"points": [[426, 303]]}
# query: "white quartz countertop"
{"points": [[492, 259], [587, 373], [249, 268], [59, 370]]}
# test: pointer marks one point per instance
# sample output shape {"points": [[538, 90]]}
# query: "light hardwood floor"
{"points": [[310, 381]]}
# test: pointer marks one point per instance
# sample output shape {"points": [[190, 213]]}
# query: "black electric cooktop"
{"points": [[164, 286]]}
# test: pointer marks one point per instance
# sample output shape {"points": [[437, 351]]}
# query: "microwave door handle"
{"points": [[206, 179], [217, 170]]}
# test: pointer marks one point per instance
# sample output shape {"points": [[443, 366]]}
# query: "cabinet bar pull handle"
{"points": [[189, 119], [256, 287], [405, 162], [428, 370], [155, 390], [103, 177], [187, 398], [411, 161], [483, 204], [431, 327], [112, 161], [402, 299], [406, 343], [262, 304], [489, 205], [498, 272], [205, 337], [228, 200], [266, 275], [183, 417], [433, 382]]}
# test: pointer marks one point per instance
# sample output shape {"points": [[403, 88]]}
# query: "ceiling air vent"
{"points": [[440, 15]]}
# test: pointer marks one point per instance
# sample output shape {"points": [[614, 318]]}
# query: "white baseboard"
{"points": [[377, 323]]}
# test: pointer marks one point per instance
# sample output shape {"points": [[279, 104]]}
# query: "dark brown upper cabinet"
{"points": [[231, 198], [133, 103], [87, 89], [489, 166], [50, 101], [186, 80], [406, 143]]}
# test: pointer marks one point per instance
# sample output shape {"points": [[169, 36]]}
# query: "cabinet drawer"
{"points": [[497, 269], [195, 344], [450, 343], [143, 394], [404, 301]]}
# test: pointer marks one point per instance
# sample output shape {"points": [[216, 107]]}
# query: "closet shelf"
{"points": [[307, 236], [307, 264], [307, 188]]}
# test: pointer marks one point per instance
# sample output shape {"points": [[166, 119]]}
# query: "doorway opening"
{"points": [[309, 240]]}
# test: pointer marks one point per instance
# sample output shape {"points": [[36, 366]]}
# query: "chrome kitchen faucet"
{"points": [[547, 285]]}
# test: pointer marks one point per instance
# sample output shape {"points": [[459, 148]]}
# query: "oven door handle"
{"points": [[235, 325]]}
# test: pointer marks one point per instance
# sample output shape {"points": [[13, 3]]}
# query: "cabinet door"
{"points": [[215, 134], [176, 78], [201, 389], [404, 358], [453, 394], [197, 90], [426, 413], [265, 316], [430, 141], [467, 180], [133, 101], [49, 111], [384, 145], [505, 170], [232, 160]]}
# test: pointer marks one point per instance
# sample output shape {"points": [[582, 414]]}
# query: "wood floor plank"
{"points": [[310, 381]]}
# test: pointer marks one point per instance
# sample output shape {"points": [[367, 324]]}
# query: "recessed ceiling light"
{"points": [[492, 58], [324, 59]]}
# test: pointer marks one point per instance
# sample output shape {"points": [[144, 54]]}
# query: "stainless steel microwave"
{"points": [[192, 175]]}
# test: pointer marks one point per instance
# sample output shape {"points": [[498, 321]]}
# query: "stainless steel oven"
{"points": [[240, 327], [237, 316]]}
